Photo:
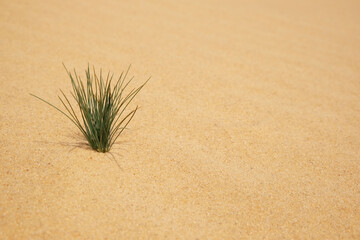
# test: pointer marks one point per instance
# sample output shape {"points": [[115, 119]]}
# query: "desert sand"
{"points": [[248, 129]]}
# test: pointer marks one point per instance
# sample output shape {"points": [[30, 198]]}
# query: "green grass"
{"points": [[102, 107]]}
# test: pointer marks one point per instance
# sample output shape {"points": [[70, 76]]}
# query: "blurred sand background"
{"points": [[249, 128]]}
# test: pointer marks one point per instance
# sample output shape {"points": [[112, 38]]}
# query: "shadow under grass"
{"points": [[81, 143]]}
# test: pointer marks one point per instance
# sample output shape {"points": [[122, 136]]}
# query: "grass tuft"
{"points": [[102, 107]]}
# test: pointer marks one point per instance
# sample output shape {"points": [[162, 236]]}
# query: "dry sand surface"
{"points": [[249, 128]]}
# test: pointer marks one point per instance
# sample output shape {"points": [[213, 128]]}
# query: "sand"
{"points": [[249, 128]]}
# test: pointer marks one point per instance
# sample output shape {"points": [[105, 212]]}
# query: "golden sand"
{"points": [[249, 128]]}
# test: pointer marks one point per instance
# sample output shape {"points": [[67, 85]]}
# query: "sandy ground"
{"points": [[248, 129]]}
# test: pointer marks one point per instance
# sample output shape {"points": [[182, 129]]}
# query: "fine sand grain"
{"points": [[249, 128]]}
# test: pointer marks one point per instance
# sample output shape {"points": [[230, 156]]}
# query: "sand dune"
{"points": [[249, 128]]}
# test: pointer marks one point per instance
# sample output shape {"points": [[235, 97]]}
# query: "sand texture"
{"points": [[249, 128]]}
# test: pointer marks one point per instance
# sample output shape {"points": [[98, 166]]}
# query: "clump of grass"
{"points": [[102, 107]]}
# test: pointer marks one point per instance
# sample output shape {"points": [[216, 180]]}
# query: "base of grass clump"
{"points": [[102, 106]]}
